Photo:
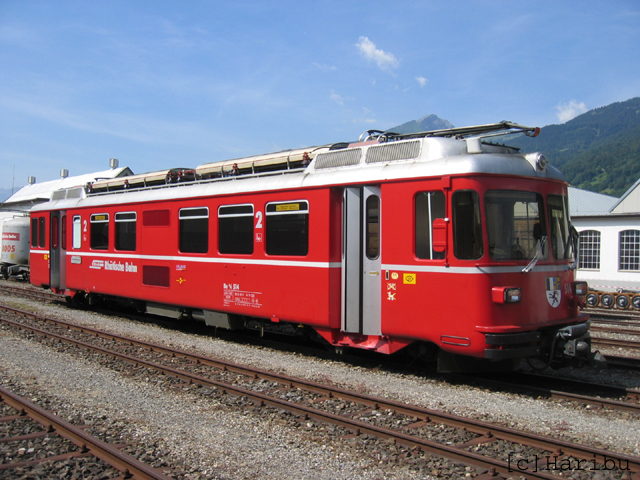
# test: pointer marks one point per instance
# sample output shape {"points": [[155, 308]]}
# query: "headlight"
{"points": [[506, 294], [580, 288]]}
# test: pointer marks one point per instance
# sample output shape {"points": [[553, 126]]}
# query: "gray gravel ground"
{"points": [[228, 444]]}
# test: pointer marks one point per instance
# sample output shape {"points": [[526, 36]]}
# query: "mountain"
{"points": [[5, 193], [430, 122], [597, 151]]}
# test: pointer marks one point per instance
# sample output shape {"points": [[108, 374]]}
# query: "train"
{"points": [[444, 246]]}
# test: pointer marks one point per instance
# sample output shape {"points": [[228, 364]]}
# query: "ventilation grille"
{"points": [[74, 193], [339, 158], [156, 276], [393, 151]]}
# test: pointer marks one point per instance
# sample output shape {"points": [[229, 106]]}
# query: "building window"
{"points": [[126, 231], [235, 229], [467, 229], [194, 230], [428, 207], [630, 250], [589, 250], [100, 231], [287, 228]]}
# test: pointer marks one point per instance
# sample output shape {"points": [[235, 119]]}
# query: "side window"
{"points": [[77, 232], [373, 227], [100, 231], [63, 232], [126, 230], [194, 230], [34, 232], [287, 228], [235, 229], [467, 228], [629, 250], [55, 231], [428, 207], [589, 250], [41, 233], [559, 227]]}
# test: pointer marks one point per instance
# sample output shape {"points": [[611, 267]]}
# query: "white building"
{"points": [[609, 239], [21, 202]]}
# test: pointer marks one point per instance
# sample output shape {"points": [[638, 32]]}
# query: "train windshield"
{"points": [[515, 225]]}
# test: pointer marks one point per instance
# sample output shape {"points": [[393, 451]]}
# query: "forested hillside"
{"points": [[598, 150]]}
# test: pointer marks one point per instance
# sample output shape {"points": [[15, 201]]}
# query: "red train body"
{"points": [[434, 239]]}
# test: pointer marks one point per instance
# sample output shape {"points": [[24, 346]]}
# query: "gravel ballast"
{"points": [[219, 442]]}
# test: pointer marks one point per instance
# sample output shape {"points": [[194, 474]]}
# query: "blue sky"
{"points": [[161, 84]]}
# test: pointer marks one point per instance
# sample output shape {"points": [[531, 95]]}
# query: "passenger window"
{"points": [[235, 229], [126, 231], [77, 232], [55, 234], [41, 233], [428, 207], [63, 232], [100, 231], [467, 227], [194, 230], [34, 232], [287, 228], [373, 227]]}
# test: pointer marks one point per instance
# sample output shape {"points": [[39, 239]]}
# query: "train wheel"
{"points": [[606, 300], [636, 302]]}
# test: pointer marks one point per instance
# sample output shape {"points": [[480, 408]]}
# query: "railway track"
{"points": [[51, 441], [545, 386], [613, 313], [488, 447], [607, 396]]}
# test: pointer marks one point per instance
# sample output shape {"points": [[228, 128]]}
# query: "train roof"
{"points": [[378, 156]]}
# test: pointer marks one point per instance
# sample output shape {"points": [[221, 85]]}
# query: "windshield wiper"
{"points": [[537, 255]]}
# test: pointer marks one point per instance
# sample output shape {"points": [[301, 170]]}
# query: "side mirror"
{"points": [[439, 232]]}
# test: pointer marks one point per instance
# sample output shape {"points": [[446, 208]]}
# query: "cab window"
{"points": [[515, 225]]}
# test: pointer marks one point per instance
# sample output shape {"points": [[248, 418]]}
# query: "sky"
{"points": [[159, 84]]}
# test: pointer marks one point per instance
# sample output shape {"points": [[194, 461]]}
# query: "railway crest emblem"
{"points": [[554, 293]]}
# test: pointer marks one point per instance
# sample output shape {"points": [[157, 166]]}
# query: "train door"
{"points": [[57, 247], [361, 263]]}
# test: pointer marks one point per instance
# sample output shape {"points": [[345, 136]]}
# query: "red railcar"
{"points": [[439, 239]]}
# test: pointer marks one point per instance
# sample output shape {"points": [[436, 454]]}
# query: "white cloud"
{"points": [[422, 81], [320, 66], [568, 111], [336, 98], [386, 61]]}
